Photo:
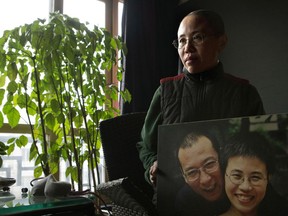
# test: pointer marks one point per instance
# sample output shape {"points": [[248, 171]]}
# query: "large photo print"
{"points": [[224, 167]]}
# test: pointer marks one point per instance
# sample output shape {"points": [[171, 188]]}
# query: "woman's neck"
{"points": [[234, 212]]}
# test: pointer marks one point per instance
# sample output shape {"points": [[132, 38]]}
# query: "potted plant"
{"points": [[55, 72]]}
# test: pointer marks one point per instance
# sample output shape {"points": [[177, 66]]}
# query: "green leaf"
{"points": [[72, 171], [24, 75], [126, 95], [22, 141], [48, 63], [2, 152], [2, 145], [11, 140], [23, 40], [69, 52], [38, 159], [21, 100], [3, 148], [1, 120], [61, 118], [78, 121], [2, 81], [55, 106], [74, 174], [11, 148], [53, 167], [32, 153], [2, 93], [13, 117], [12, 87], [50, 121], [7, 107], [12, 71], [32, 108], [68, 171], [113, 43], [38, 172], [2, 61]]}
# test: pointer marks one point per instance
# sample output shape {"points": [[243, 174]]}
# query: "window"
{"points": [[18, 12], [17, 165], [103, 13], [86, 10]]}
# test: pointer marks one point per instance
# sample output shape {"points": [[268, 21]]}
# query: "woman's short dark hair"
{"points": [[214, 19], [252, 144]]}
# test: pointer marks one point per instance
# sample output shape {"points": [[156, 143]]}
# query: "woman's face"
{"points": [[197, 59], [245, 183]]}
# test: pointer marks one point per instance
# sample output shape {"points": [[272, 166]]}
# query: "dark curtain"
{"points": [[149, 27]]}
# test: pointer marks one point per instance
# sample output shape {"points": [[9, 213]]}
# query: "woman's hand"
{"points": [[153, 173]]}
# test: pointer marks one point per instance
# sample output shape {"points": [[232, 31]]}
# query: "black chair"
{"points": [[127, 189]]}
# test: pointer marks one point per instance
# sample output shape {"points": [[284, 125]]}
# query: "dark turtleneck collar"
{"points": [[205, 75]]}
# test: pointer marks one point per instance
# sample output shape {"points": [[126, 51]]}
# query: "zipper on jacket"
{"points": [[201, 96]]}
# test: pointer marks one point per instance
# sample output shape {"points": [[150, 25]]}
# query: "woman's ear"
{"points": [[223, 39], [269, 177]]}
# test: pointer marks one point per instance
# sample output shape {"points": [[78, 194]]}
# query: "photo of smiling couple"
{"points": [[226, 167]]}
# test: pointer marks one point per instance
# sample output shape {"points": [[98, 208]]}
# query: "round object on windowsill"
{"points": [[6, 182]]}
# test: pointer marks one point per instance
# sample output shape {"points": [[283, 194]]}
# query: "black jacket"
{"points": [[189, 97], [208, 95]]}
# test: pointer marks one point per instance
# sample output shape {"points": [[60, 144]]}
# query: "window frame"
{"points": [[111, 24]]}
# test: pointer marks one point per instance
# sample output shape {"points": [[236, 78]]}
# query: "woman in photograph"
{"points": [[248, 163]]}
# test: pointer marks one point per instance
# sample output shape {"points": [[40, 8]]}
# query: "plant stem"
{"points": [[45, 167], [60, 101], [75, 152], [89, 142]]}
